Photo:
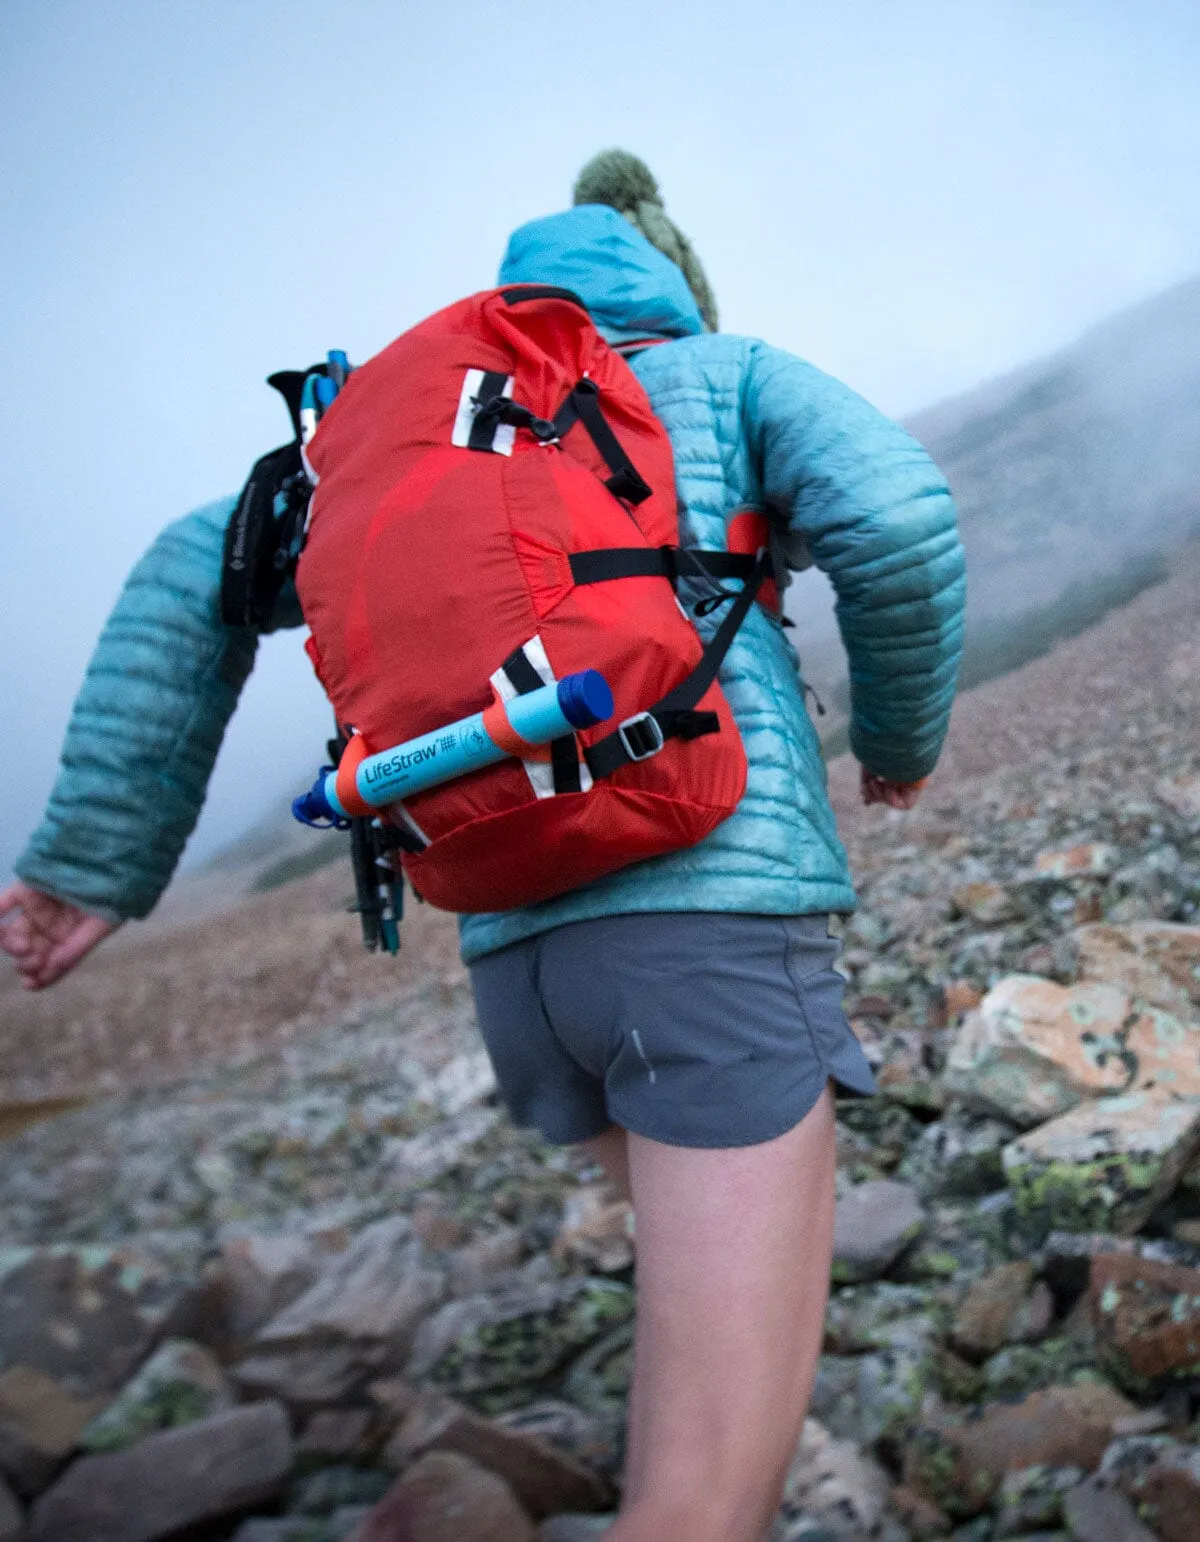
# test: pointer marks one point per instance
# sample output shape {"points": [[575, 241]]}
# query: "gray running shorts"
{"points": [[694, 1028]]}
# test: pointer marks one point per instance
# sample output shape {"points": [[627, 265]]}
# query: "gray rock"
{"points": [[446, 1498], [546, 1481], [305, 1379], [12, 1522], [260, 1275], [1094, 1512], [170, 1480], [875, 1223], [40, 1425], [88, 1316], [378, 1291], [958, 1157], [574, 1528]]}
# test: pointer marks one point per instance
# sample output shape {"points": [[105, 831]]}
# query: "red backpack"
{"points": [[495, 509]]}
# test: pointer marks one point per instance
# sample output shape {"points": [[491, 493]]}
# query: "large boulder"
{"points": [[1105, 1165], [1156, 961], [169, 1481], [1034, 1049]]}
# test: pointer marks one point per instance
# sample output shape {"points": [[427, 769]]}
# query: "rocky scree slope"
{"points": [[333, 1282]]}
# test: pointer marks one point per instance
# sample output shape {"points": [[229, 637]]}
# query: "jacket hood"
{"points": [[629, 287]]}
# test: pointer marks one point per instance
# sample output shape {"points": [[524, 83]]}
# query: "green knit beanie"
{"points": [[625, 183]]}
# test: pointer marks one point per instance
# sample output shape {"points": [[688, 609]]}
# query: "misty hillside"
{"points": [[1066, 469], [1076, 478]]}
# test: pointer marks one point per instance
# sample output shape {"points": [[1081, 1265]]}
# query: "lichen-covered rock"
{"points": [[879, 1316], [1156, 961], [1104, 1165], [493, 1344], [1018, 1369], [1147, 1317], [961, 1466], [1033, 1049], [958, 1156], [890, 1390], [180, 1383], [1032, 1497], [875, 1222], [1161, 1476], [834, 1488]]}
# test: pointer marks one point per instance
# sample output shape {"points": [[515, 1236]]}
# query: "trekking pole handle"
{"points": [[363, 783]]}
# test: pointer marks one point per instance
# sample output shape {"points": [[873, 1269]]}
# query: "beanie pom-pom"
{"points": [[619, 179]]}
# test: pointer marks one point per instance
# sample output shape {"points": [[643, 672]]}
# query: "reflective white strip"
{"points": [[539, 772], [505, 435]]}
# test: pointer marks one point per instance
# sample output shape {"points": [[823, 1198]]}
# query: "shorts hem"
{"points": [[765, 1129]]}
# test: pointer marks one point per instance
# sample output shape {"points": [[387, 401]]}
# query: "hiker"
{"points": [[681, 1019]]}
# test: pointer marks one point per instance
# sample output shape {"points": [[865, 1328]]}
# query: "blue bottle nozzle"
{"points": [[585, 698]]}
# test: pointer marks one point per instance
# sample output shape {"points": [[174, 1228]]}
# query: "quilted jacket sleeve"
{"points": [[145, 730], [879, 521]]}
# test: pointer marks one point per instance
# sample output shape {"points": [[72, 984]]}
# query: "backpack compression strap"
{"points": [[675, 715]]}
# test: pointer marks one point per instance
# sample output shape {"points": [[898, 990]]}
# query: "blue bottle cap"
{"points": [[585, 698]]}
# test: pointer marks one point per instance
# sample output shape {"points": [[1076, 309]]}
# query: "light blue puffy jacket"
{"points": [[752, 427]]}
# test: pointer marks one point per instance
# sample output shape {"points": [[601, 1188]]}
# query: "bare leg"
{"points": [[733, 1275], [611, 1150]]}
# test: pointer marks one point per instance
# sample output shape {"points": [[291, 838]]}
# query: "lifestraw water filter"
{"points": [[364, 783]]}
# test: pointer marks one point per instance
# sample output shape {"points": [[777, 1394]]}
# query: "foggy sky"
{"points": [[915, 196]]}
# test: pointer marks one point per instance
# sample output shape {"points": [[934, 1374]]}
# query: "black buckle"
{"points": [[641, 735]]}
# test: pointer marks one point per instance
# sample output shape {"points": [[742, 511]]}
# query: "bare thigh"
{"points": [[734, 1251]]}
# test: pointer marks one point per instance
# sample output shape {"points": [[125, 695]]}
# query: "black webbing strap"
{"points": [[521, 673], [670, 562], [583, 406], [675, 716], [521, 292], [564, 757]]}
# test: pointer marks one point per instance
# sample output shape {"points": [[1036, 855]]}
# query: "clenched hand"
{"points": [[877, 789], [45, 936]]}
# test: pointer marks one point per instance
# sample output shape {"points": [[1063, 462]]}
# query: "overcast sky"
{"points": [[913, 194]]}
